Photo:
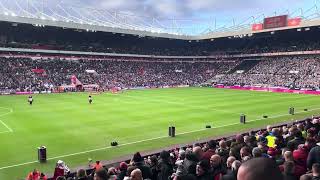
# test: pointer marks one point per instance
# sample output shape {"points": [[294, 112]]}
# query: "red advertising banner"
{"points": [[275, 22], [294, 21], [257, 27]]}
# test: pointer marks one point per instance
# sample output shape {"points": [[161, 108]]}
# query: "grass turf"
{"points": [[137, 119]]}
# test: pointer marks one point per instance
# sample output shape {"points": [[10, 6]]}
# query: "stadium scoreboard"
{"points": [[275, 22]]}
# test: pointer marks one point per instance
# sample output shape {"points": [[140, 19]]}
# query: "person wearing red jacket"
{"points": [[34, 175]]}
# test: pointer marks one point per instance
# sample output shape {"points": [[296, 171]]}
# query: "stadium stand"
{"points": [[293, 72], [289, 151], [294, 151], [26, 74], [23, 74]]}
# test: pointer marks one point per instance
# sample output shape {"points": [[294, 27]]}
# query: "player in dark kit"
{"points": [[90, 99], [30, 100]]}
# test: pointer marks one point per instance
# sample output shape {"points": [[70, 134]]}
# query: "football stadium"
{"points": [[97, 93]]}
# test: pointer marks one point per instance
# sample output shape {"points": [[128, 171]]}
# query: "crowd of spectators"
{"points": [[25, 74], [18, 74], [293, 71], [287, 152]]}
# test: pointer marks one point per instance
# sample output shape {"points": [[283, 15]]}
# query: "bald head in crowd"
{"points": [[288, 156], [215, 160], [236, 165], [306, 177], [222, 144], [269, 128], [198, 151], [230, 160], [259, 168], [136, 174]]}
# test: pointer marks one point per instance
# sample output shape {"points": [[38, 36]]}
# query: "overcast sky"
{"points": [[197, 8], [201, 11]]}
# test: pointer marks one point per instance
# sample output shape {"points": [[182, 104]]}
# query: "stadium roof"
{"points": [[38, 13]]}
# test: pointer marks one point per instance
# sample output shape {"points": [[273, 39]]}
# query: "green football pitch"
{"points": [[74, 131]]}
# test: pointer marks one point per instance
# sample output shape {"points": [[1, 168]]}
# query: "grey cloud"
{"points": [[184, 9], [191, 8]]}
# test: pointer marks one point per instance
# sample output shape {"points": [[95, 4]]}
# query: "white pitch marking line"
{"points": [[4, 124], [145, 140], [2, 132]]}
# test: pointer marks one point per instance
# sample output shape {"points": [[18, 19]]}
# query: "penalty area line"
{"points": [[145, 140], [4, 124]]}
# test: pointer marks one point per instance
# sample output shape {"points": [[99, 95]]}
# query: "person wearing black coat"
{"points": [[138, 162], [190, 163], [314, 156], [165, 167]]}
